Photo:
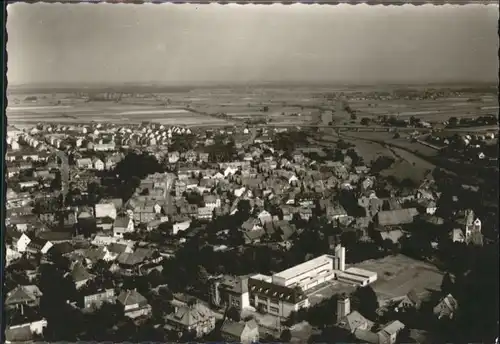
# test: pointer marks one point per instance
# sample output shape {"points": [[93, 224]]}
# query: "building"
{"points": [[446, 308], [357, 276], [96, 300], [134, 304], [244, 332], [122, 225], [22, 296], [229, 291], [194, 317], [275, 299], [308, 274]]}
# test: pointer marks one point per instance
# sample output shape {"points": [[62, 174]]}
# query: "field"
{"points": [[107, 112], [280, 105], [397, 275], [428, 110]]}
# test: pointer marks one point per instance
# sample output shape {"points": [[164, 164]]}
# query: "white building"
{"points": [[308, 274]]}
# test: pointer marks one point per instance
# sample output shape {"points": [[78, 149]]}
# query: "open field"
{"points": [[397, 275], [107, 112], [277, 104], [428, 110]]}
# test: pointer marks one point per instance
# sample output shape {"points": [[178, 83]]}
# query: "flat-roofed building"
{"points": [[357, 276], [308, 274]]}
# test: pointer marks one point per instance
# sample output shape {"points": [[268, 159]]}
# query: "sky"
{"points": [[203, 44]]}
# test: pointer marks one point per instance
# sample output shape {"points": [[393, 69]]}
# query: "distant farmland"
{"points": [[108, 112]]}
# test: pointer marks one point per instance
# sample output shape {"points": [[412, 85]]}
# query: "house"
{"points": [[392, 218], [205, 213], [24, 333], [252, 224], [173, 157], [96, 300], [335, 212], [264, 217], [253, 236], [23, 295], [211, 201], [230, 291], [103, 210], [194, 317], [446, 308], [245, 332], [180, 226], [134, 304], [84, 163], [80, 275], [122, 225], [409, 301], [457, 235]]}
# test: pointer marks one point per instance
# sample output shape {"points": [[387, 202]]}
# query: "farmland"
{"points": [[274, 105]]}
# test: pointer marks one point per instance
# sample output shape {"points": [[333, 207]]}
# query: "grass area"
{"points": [[399, 274]]}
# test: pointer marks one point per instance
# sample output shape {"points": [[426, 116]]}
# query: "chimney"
{"points": [[343, 307]]}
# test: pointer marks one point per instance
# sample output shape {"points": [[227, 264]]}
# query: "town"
{"points": [[245, 173], [239, 233]]}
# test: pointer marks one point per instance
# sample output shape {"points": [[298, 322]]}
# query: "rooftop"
{"points": [[304, 267]]}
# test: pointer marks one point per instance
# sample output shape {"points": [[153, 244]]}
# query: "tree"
{"points": [[233, 314], [447, 284], [365, 301], [365, 121], [286, 336], [453, 121]]}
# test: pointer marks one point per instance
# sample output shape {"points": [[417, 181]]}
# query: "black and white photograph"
{"points": [[251, 173]]}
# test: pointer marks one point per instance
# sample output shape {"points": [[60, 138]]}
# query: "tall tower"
{"points": [[339, 262], [343, 307]]}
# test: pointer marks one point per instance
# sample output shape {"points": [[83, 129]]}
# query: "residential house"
{"points": [[252, 224], [84, 163], [122, 225], [180, 226], [409, 301], [80, 275], [211, 201], [134, 304], [194, 317], [23, 296], [98, 164], [264, 217], [245, 332], [173, 157], [446, 308], [335, 212], [96, 300], [205, 213]]}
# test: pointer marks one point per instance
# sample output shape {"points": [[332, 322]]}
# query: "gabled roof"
{"points": [[131, 297], [396, 217], [355, 320], [23, 293], [19, 334], [191, 315], [236, 328], [79, 273]]}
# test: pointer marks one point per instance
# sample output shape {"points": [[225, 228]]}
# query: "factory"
{"points": [[286, 291]]}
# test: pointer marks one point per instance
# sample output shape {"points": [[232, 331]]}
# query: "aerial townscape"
{"points": [[267, 213]]}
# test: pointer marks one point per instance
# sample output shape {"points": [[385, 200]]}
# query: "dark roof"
{"points": [[273, 290], [19, 334], [131, 297], [236, 328], [79, 273], [396, 217], [55, 236], [122, 221]]}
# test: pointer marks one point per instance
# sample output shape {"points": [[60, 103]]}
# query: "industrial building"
{"points": [[285, 291], [308, 274]]}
